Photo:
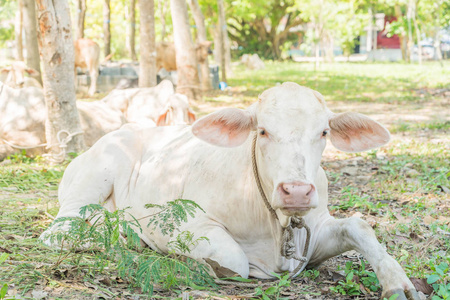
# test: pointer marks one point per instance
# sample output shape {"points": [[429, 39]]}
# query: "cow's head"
{"points": [[203, 50], [292, 123], [16, 74], [176, 112]]}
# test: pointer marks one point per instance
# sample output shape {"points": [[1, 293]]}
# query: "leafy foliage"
{"points": [[354, 277], [440, 285], [99, 231], [172, 214], [273, 292]]}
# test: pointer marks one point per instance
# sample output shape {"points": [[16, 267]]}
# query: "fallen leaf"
{"points": [[219, 270], [421, 285]]}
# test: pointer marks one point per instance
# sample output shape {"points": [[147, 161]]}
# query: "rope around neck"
{"points": [[288, 246]]}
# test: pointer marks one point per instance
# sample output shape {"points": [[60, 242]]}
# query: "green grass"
{"points": [[360, 82]]}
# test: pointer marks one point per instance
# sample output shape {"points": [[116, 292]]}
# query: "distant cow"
{"points": [[87, 56], [166, 57], [15, 75], [23, 114], [256, 174], [159, 104]]}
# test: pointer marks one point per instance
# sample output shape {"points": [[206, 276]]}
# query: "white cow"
{"points": [[23, 114], [157, 104], [211, 163]]}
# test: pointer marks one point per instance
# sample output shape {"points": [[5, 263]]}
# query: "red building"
{"points": [[384, 42]]}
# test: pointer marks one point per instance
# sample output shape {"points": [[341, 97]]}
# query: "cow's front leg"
{"points": [[338, 236], [220, 251]]}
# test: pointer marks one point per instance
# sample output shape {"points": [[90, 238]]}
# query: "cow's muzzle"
{"points": [[297, 197]]}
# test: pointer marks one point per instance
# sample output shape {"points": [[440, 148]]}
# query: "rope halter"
{"points": [[288, 246]]}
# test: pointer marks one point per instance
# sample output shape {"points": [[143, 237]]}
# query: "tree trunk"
{"points": [[18, 28], [131, 33], [410, 43], [147, 63], [437, 37], [57, 53], [106, 27], [186, 58], [222, 45], [201, 37], [163, 9], [81, 14], [31, 43], [416, 27], [398, 14]]}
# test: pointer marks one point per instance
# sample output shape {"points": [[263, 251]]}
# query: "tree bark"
{"points": [[81, 14], [31, 43], [201, 37], [57, 54], [222, 34], [131, 33], [106, 27], [188, 81], [18, 28], [147, 64], [437, 37]]}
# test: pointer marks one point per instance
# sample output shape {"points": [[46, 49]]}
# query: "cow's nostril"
{"points": [[311, 190], [285, 189]]}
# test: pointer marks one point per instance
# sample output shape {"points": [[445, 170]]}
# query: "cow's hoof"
{"points": [[402, 295]]}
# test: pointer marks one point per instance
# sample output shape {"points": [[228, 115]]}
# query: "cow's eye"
{"points": [[262, 132], [324, 133]]}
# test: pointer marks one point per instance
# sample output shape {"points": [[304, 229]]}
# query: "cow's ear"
{"points": [[32, 72], [228, 127], [354, 132], [5, 70], [191, 116], [162, 119]]}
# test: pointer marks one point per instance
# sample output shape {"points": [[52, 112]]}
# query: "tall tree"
{"points": [[201, 38], [31, 43], [222, 32], [81, 15], [18, 28], [263, 26], [147, 63], [188, 82], [107, 27], [57, 51], [131, 32]]}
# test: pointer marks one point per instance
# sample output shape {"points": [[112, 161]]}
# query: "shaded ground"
{"points": [[401, 190]]}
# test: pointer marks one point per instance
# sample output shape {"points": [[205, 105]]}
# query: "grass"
{"points": [[400, 189]]}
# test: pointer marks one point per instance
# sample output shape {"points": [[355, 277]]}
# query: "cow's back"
{"points": [[87, 53]]}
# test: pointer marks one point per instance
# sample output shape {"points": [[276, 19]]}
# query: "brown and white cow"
{"points": [[166, 55], [15, 75], [211, 164], [87, 56]]}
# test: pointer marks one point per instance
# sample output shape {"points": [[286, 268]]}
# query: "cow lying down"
{"points": [[211, 163]]}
